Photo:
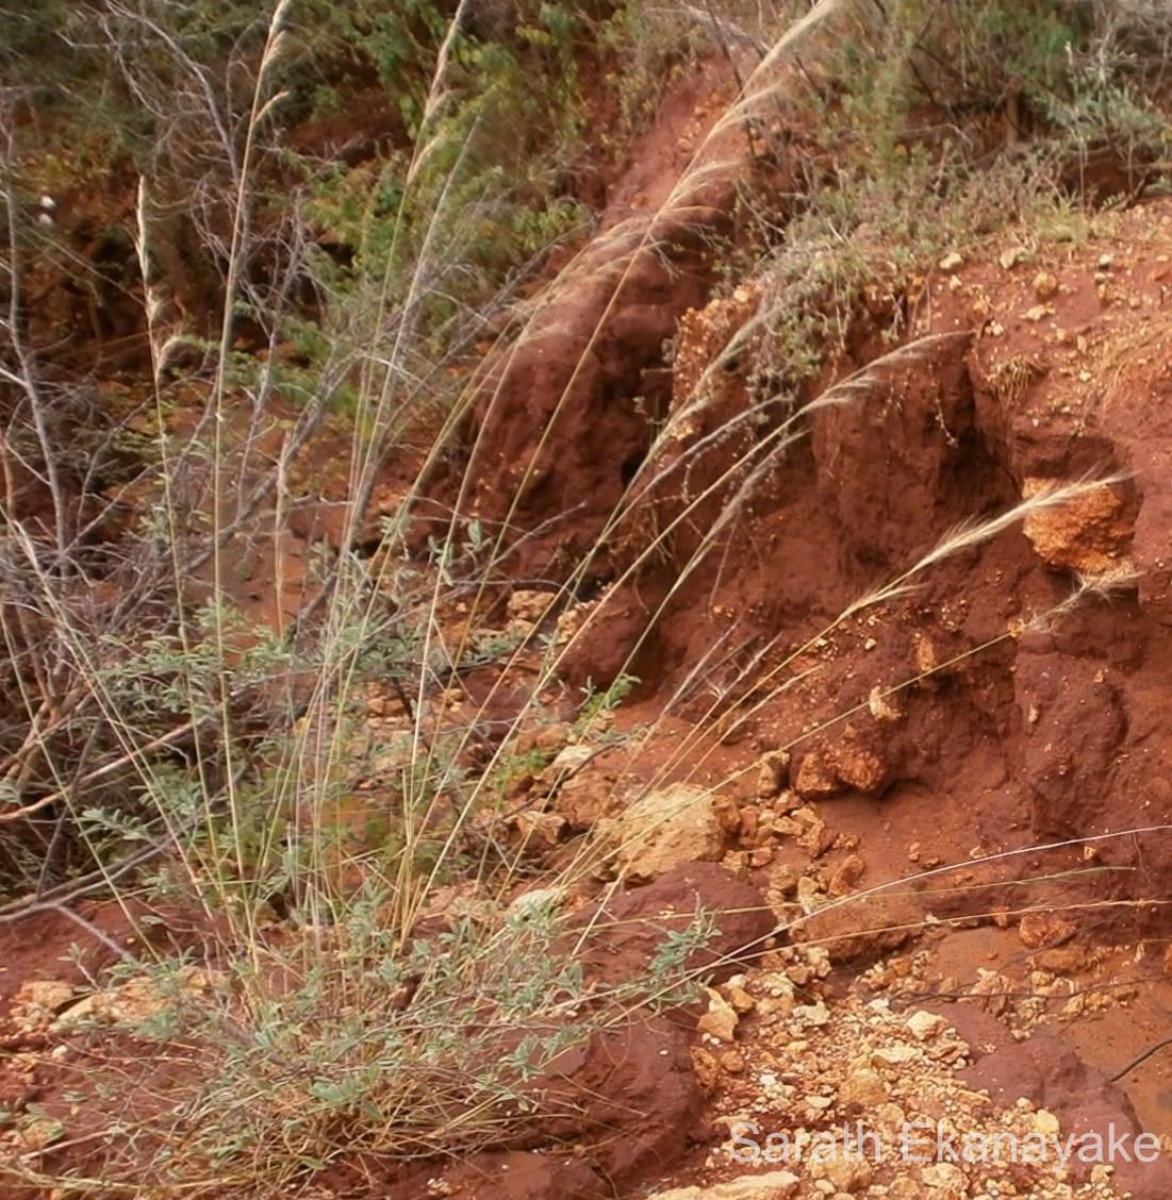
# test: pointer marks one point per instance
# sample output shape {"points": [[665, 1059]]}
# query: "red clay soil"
{"points": [[1044, 1069], [965, 718], [1005, 720], [586, 370], [1040, 730], [625, 1106]]}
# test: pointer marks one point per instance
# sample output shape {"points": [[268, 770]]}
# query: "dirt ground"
{"points": [[950, 812]]}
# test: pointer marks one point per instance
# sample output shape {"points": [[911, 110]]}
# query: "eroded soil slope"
{"points": [[1026, 715], [990, 734], [928, 772]]}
